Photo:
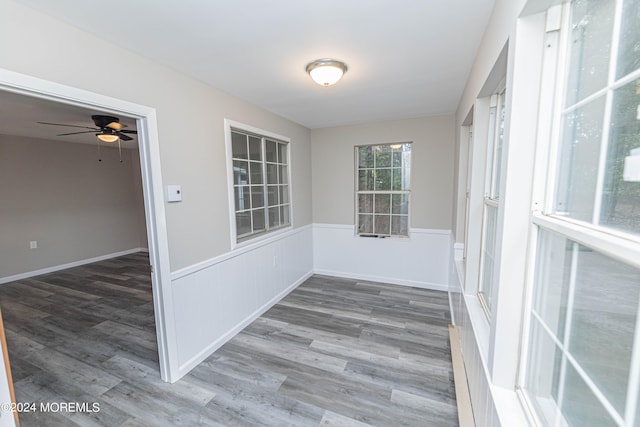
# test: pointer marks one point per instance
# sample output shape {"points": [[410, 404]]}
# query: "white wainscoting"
{"points": [[484, 411], [492, 406], [422, 260], [216, 299]]}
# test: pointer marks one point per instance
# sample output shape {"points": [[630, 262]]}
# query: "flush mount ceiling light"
{"points": [[326, 72]]}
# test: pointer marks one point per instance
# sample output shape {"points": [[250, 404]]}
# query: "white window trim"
{"points": [[545, 161], [623, 248], [607, 241], [499, 337], [490, 200], [476, 196], [522, 97], [228, 126], [407, 192], [468, 132]]}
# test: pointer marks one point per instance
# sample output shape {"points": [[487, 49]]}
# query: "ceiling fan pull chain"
{"points": [[119, 150], [99, 152]]}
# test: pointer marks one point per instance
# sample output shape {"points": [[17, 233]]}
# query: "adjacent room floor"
{"points": [[333, 352]]}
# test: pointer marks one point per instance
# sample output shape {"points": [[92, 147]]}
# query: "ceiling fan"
{"points": [[108, 129]]}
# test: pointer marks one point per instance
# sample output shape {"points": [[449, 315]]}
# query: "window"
{"points": [[582, 363], [584, 315], [260, 183], [493, 170], [383, 184], [601, 117]]}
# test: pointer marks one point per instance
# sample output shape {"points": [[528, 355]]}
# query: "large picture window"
{"points": [[260, 183], [383, 184], [583, 359]]}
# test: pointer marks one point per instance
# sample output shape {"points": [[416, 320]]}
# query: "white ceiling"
{"points": [[408, 58]]}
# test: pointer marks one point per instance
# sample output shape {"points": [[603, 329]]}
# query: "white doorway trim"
{"points": [[152, 188]]}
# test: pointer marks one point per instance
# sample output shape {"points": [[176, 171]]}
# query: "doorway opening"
{"points": [[151, 184]]}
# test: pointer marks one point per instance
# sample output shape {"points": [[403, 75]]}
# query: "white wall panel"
{"points": [[421, 260], [492, 405], [214, 300], [482, 401]]}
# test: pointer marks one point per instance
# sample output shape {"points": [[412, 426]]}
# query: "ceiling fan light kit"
{"points": [[108, 129], [326, 71], [108, 136]]}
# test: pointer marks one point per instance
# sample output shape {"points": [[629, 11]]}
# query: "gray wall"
{"points": [[190, 118], [432, 168], [75, 207]]}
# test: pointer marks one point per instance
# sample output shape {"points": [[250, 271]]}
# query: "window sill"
{"points": [[479, 324], [377, 236], [248, 242]]}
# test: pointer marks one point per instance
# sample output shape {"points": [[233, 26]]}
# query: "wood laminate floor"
{"points": [[333, 352]]}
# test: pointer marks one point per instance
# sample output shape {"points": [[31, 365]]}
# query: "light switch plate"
{"points": [[174, 193]]}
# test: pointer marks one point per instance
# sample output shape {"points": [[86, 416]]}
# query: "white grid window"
{"points": [[582, 366], [383, 188], [260, 183]]}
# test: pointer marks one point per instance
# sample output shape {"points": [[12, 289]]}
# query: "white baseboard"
{"points": [[379, 279], [55, 268]]}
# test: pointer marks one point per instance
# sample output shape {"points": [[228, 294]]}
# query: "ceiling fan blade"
{"points": [[71, 126], [134, 132], [76, 133], [116, 125], [124, 137]]}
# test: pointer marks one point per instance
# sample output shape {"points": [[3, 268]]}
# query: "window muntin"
{"points": [[583, 321], [260, 183], [589, 48], [601, 117], [383, 188], [620, 203], [582, 344], [629, 54]]}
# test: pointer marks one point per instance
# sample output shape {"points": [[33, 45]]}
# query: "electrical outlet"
{"points": [[33, 244]]}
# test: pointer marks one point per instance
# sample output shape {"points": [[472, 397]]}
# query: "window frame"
{"points": [[249, 238], [607, 241], [467, 191], [390, 192], [493, 171]]}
